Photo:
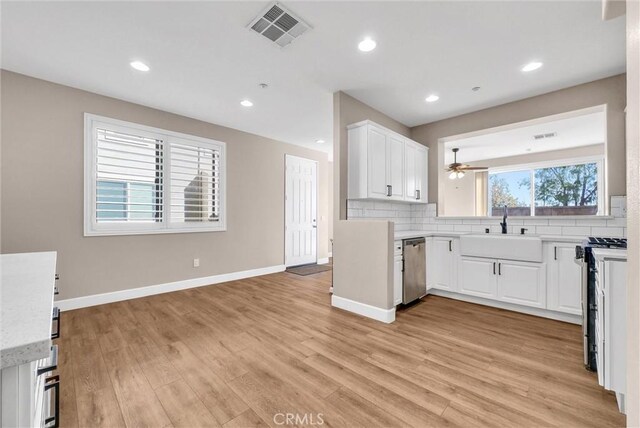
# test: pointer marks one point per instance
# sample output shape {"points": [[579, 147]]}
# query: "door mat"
{"points": [[305, 270]]}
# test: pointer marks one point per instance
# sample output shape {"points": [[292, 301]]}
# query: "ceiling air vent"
{"points": [[279, 25], [543, 136]]}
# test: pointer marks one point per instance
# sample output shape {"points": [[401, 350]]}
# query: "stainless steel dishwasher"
{"points": [[414, 275]]}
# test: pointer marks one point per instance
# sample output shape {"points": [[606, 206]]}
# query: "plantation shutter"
{"points": [[129, 177], [195, 183]]}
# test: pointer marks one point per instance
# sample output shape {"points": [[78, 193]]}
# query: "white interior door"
{"points": [[300, 211]]}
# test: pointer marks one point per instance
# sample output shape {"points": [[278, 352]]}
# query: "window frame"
{"points": [[531, 167], [94, 228]]}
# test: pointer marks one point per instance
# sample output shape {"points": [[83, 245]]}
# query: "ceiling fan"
{"points": [[458, 169]]}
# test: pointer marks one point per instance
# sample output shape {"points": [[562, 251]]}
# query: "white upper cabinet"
{"points": [[395, 172], [415, 169], [385, 165], [377, 163]]}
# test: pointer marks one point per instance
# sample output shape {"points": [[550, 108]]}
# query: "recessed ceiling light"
{"points": [[532, 66], [320, 141], [246, 103], [263, 85], [139, 65], [367, 45], [431, 98]]}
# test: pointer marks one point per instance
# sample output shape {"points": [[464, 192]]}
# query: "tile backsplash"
{"points": [[423, 217]]}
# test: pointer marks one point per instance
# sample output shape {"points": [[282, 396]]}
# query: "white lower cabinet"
{"points": [[522, 283], [610, 326], [397, 272], [564, 292], [397, 280], [478, 277], [442, 261], [25, 399]]}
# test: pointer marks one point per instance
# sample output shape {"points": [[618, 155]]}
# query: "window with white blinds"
{"points": [[146, 180]]}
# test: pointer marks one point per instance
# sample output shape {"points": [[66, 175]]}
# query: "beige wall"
{"points": [[458, 198], [610, 91], [363, 266], [633, 214], [42, 194], [348, 110]]}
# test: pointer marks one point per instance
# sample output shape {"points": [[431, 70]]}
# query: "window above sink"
{"points": [[558, 188], [553, 166]]}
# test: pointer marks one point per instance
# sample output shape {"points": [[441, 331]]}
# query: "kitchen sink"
{"points": [[511, 247]]}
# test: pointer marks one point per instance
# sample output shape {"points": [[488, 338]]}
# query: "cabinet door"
{"points": [[522, 283], [564, 292], [442, 275], [397, 280], [395, 172], [377, 163], [421, 174], [478, 277], [410, 173]]}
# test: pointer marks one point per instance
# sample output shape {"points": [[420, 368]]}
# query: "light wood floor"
{"points": [[240, 353]]}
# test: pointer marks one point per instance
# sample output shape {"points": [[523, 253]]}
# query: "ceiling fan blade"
{"points": [[473, 168]]}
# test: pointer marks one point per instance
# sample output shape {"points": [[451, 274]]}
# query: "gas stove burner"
{"points": [[608, 242]]}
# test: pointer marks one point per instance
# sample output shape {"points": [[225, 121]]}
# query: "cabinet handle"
{"points": [[54, 362], [56, 318], [53, 382], [388, 190], [499, 268], [418, 194], [494, 268], [555, 253], [450, 245]]}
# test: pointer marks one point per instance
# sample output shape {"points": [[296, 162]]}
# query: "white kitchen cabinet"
{"points": [[563, 279], [395, 169], [522, 283], [377, 165], [397, 272], [416, 159], [478, 277], [610, 325], [397, 280], [442, 263]]}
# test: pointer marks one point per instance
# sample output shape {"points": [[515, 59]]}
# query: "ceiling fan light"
{"points": [[453, 175], [460, 174]]}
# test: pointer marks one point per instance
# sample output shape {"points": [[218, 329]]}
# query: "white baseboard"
{"points": [[545, 313], [323, 261], [134, 293], [373, 312]]}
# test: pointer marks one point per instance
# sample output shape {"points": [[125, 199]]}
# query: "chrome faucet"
{"points": [[504, 221]]}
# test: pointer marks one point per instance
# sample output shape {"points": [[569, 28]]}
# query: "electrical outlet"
{"points": [[196, 262]]}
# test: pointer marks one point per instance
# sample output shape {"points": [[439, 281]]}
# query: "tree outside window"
{"points": [[557, 190]]}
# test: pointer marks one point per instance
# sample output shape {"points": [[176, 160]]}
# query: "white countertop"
{"points": [[26, 304], [609, 254], [407, 234]]}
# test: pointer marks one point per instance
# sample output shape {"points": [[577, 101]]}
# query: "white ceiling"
{"points": [[204, 61], [583, 130]]}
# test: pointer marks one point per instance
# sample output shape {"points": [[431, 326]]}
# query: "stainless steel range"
{"points": [[584, 257]]}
